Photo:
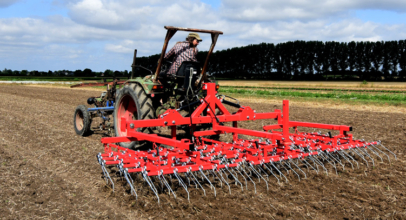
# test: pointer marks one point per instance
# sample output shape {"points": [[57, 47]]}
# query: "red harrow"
{"points": [[202, 161]]}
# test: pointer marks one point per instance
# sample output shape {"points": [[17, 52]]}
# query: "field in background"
{"points": [[375, 96], [315, 84], [371, 96]]}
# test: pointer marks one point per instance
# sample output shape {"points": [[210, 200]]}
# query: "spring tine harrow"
{"points": [[380, 144], [377, 149], [270, 170], [162, 177], [245, 179], [259, 176], [211, 185], [182, 184], [200, 162], [370, 149], [280, 173], [127, 176], [235, 178], [366, 153], [255, 188], [290, 168], [197, 182], [226, 182], [292, 162]]}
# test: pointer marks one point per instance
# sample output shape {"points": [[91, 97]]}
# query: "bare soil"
{"points": [[49, 172]]}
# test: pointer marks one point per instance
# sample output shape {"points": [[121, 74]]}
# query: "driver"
{"points": [[183, 51]]}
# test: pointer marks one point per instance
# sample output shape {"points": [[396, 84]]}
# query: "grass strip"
{"points": [[334, 95], [315, 89]]}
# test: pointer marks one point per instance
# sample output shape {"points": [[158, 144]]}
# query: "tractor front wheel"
{"points": [[132, 103], [82, 120]]}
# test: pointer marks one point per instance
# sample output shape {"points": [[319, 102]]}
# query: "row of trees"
{"points": [[77, 73], [300, 60], [307, 60]]}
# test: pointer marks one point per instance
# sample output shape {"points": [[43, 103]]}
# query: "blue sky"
{"points": [[102, 34]]}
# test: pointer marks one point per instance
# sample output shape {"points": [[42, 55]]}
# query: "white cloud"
{"points": [[265, 10], [6, 3], [102, 34]]}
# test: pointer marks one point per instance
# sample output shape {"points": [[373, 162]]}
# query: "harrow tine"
{"points": [[211, 185], [349, 156], [326, 159], [307, 167], [182, 183], [373, 146], [270, 170], [379, 142], [245, 179], [362, 157], [308, 164], [265, 174], [335, 159], [280, 173], [126, 175], [314, 163], [345, 158], [188, 178], [151, 185], [366, 153], [370, 148], [288, 164], [214, 174], [298, 168], [255, 187], [315, 159], [107, 175], [167, 185], [256, 172], [222, 178], [197, 181], [236, 179], [287, 171]]}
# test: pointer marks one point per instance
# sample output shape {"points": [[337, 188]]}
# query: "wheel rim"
{"points": [[127, 110], [79, 120]]}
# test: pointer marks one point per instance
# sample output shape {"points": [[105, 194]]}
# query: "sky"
{"points": [[102, 34]]}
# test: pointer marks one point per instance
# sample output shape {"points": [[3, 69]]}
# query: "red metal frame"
{"points": [[207, 154]]}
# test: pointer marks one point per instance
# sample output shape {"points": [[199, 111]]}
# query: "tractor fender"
{"points": [[145, 84]]}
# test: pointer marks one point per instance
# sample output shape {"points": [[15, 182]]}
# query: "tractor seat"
{"points": [[183, 74]]}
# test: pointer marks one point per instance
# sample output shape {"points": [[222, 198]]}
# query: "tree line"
{"points": [[307, 60], [64, 73], [297, 60]]}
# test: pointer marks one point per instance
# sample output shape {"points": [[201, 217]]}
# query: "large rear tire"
{"points": [[82, 120], [132, 103]]}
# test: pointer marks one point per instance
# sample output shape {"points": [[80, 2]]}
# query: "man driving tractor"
{"points": [[183, 51]]}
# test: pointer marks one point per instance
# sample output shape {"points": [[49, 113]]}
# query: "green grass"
{"points": [[391, 98], [316, 89]]}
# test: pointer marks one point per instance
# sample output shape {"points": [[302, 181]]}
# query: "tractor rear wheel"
{"points": [[82, 120], [132, 103]]}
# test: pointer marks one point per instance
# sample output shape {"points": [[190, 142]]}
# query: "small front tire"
{"points": [[82, 120]]}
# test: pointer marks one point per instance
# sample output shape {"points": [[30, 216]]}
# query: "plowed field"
{"points": [[49, 172]]}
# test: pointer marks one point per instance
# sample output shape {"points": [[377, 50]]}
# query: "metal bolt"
{"points": [[248, 117], [173, 122], [131, 125], [165, 122]]}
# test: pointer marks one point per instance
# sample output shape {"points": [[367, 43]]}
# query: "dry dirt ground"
{"points": [[49, 172]]}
